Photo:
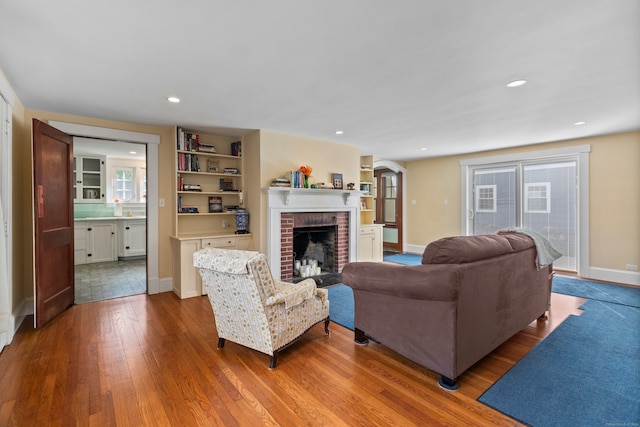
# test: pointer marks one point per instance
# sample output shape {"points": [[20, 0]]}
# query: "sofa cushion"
{"points": [[463, 249]]}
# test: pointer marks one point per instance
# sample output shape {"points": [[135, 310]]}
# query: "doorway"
{"points": [[388, 201], [110, 189], [152, 142]]}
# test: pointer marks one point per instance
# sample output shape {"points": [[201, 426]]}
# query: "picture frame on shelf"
{"points": [[336, 179]]}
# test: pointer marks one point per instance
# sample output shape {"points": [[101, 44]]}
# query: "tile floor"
{"points": [[106, 280]]}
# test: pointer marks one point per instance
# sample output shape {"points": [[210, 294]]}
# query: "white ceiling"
{"points": [[395, 76]]}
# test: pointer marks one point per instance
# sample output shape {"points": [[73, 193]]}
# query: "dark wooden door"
{"points": [[53, 205], [389, 207]]}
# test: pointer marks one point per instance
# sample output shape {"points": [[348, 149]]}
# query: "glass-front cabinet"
{"points": [[88, 179]]}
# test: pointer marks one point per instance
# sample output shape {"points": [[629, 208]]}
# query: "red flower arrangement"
{"points": [[306, 170]]}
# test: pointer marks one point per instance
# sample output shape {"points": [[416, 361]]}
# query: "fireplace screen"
{"points": [[314, 251]]}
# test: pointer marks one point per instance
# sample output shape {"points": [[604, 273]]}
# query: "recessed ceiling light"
{"points": [[133, 152], [580, 123], [173, 99], [516, 83], [339, 132], [423, 149]]}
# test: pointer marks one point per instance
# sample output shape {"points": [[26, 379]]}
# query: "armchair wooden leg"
{"points": [[326, 326], [360, 338], [543, 317], [274, 360], [221, 342]]}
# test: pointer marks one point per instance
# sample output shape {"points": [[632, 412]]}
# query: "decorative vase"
{"points": [[242, 221], [306, 182]]}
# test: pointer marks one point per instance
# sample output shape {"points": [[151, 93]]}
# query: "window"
{"points": [[485, 198], [538, 197], [124, 184], [143, 185]]}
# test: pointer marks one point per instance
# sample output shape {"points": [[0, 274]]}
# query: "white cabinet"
{"points": [[88, 179], [132, 238], [94, 241], [101, 242], [80, 242], [186, 279], [370, 243]]}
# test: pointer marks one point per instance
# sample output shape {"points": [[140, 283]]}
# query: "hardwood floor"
{"points": [[152, 360]]}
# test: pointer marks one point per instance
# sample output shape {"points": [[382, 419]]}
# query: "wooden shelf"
{"points": [[206, 213], [204, 153], [227, 175], [210, 193]]}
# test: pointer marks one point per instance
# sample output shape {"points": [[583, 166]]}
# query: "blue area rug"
{"points": [[407, 259], [597, 291], [586, 373], [341, 305]]}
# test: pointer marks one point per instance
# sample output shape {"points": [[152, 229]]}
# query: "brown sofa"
{"points": [[469, 295]]}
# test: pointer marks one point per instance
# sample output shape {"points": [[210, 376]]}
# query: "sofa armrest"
{"points": [[434, 282], [292, 294]]}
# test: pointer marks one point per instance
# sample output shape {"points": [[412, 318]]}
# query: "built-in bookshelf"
{"points": [[366, 187], [208, 171], [370, 240]]}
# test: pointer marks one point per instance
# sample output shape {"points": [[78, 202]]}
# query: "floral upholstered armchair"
{"points": [[253, 309]]}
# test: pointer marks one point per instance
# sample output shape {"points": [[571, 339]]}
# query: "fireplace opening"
{"points": [[317, 238], [314, 251]]}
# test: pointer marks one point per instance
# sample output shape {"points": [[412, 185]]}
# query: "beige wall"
{"points": [[614, 197], [281, 152], [165, 185], [21, 267]]}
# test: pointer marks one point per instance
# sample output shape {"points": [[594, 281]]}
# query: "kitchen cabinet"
{"points": [[132, 238], [79, 242], [88, 179], [186, 279], [101, 241], [94, 241]]}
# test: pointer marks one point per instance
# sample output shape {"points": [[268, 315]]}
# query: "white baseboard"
{"points": [[15, 320], [617, 276], [414, 249], [165, 285]]}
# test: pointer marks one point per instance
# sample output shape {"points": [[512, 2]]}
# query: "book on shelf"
{"points": [[190, 209], [215, 204], [232, 171], [236, 148], [296, 179], [226, 184], [188, 162], [188, 141], [213, 165], [206, 148], [186, 209]]}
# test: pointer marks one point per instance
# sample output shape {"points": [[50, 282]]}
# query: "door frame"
{"points": [[7, 318], [152, 142], [395, 167]]}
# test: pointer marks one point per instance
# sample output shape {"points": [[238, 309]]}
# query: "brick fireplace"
{"points": [[308, 221], [288, 207]]}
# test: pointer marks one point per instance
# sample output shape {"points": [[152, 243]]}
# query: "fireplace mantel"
{"points": [[280, 199]]}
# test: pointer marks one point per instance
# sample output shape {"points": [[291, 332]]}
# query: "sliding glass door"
{"points": [[541, 196]]}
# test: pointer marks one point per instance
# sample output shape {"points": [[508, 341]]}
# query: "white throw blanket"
{"points": [[546, 252]]}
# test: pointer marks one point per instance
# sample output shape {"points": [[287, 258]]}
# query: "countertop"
{"points": [[110, 218]]}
